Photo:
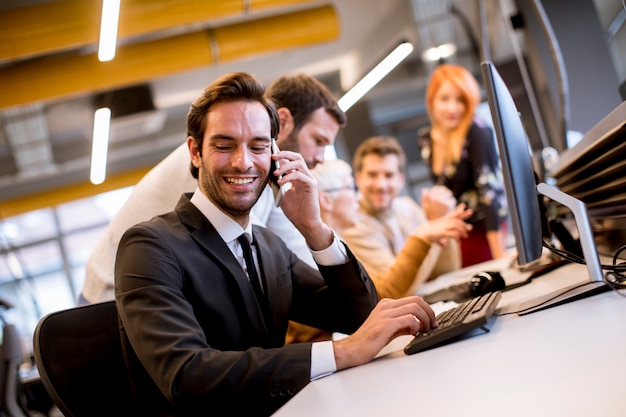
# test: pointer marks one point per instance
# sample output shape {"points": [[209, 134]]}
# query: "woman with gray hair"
{"points": [[337, 194]]}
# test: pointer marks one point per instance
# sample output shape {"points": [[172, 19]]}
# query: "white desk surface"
{"points": [[569, 360]]}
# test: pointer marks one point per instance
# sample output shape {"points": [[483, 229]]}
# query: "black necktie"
{"points": [[252, 274]]}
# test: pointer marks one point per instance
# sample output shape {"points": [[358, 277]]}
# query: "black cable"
{"points": [[621, 276], [617, 270]]}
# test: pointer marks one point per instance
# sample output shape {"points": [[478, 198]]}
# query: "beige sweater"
{"points": [[398, 269], [394, 275]]}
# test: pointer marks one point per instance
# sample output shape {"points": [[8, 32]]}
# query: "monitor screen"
{"points": [[523, 193], [517, 167]]}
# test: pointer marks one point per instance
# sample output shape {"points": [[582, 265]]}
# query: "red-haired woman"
{"points": [[460, 150]]}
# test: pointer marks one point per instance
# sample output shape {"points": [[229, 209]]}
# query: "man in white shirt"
{"points": [[309, 121]]}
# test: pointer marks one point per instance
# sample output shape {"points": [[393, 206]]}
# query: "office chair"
{"points": [[78, 353]]}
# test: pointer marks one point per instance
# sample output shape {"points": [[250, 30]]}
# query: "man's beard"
{"points": [[235, 207], [291, 143]]}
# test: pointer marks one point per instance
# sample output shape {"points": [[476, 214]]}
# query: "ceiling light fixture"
{"points": [[437, 53], [100, 145], [375, 75], [108, 30]]}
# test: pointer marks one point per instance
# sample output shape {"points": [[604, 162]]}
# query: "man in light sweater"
{"points": [[389, 236]]}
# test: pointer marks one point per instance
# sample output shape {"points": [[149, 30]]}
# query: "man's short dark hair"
{"points": [[236, 86], [303, 94]]}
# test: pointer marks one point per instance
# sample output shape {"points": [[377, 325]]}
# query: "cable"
{"points": [[615, 286], [621, 276], [615, 276]]}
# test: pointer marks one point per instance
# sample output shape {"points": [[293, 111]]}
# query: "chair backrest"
{"points": [[78, 353]]}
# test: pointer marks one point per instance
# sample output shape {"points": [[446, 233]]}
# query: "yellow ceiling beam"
{"points": [[64, 75], [277, 33], [59, 76], [51, 27], [54, 197]]}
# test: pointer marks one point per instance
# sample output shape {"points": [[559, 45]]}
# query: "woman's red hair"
{"points": [[470, 91]]}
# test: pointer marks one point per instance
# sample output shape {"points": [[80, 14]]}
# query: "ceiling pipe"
{"points": [[66, 75], [52, 27]]}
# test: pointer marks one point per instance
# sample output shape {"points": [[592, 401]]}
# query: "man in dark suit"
{"points": [[199, 338]]}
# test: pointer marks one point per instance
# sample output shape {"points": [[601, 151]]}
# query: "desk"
{"points": [[565, 361]]}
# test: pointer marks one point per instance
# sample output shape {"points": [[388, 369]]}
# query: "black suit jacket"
{"points": [[194, 338]]}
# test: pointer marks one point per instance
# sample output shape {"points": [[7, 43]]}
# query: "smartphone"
{"points": [[279, 192]]}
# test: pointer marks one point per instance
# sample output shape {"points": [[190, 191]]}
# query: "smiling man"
{"points": [[204, 297], [390, 233]]}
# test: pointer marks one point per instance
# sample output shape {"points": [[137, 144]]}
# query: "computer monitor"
{"points": [[517, 167], [521, 187]]}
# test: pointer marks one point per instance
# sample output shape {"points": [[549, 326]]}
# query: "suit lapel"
{"points": [[205, 235]]}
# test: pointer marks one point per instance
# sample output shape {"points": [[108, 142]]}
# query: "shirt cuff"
{"points": [[322, 359], [335, 254]]}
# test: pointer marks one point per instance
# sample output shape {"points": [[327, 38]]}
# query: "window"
{"points": [[43, 255]]}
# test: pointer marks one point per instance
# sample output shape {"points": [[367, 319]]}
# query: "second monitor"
{"points": [[522, 193]]}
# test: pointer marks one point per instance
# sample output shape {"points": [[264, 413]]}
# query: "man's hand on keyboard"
{"points": [[388, 320], [457, 321]]}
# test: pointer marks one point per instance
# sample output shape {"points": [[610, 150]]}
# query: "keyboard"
{"points": [[456, 322]]}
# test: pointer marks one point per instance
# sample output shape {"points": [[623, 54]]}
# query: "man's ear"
{"points": [[326, 202], [286, 121], [194, 151]]}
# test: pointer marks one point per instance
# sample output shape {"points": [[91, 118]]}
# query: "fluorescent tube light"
{"points": [[437, 53], [100, 145], [375, 75], [108, 29]]}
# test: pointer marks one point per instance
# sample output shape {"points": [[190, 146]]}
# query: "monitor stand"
{"points": [[596, 283]]}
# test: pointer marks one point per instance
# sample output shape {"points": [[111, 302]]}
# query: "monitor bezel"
{"points": [[517, 167]]}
